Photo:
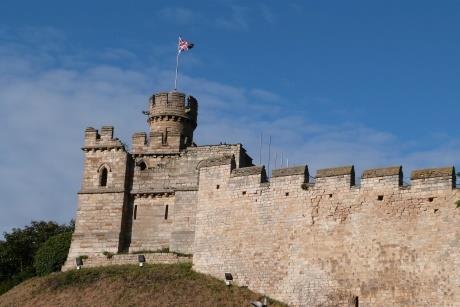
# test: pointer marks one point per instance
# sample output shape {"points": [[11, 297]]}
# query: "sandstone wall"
{"points": [[330, 243], [170, 180], [122, 259], [152, 222], [102, 208]]}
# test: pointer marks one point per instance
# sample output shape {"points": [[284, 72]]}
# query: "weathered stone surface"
{"points": [[225, 159], [335, 171], [149, 199], [325, 246], [289, 171], [325, 243], [382, 172], [433, 173], [247, 171], [150, 258]]}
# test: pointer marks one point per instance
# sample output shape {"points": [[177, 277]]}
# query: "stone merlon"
{"points": [[248, 171], [433, 173], [336, 171], [291, 171], [382, 172]]}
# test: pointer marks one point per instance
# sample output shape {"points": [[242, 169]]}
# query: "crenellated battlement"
{"points": [[101, 141], [172, 117], [343, 178], [305, 239], [330, 240], [173, 104]]}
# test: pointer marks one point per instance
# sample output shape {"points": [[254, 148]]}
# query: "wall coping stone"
{"points": [[218, 161], [382, 172], [335, 171], [433, 173], [290, 171], [248, 171]]}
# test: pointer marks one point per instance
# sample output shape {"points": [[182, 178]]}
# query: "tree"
{"points": [[52, 254], [18, 249]]}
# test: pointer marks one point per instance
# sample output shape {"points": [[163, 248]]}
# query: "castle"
{"points": [[327, 242]]}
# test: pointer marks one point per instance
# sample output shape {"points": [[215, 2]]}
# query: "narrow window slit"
{"points": [[166, 212], [217, 187], [103, 178], [135, 212]]}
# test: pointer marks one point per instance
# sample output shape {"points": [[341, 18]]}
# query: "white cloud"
{"points": [[264, 94], [267, 13], [45, 106], [235, 17], [179, 15]]}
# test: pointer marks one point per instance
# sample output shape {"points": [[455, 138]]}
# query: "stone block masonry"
{"points": [[324, 243], [144, 200], [332, 243], [122, 259]]}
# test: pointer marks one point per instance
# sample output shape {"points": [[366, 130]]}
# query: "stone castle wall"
{"points": [[122, 259], [146, 199], [101, 212], [322, 243], [330, 243]]}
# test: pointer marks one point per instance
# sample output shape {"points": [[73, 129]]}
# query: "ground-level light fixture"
{"points": [[79, 262], [141, 259], [264, 303], [228, 279]]}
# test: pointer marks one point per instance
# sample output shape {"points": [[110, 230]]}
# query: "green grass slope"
{"points": [[152, 285]]}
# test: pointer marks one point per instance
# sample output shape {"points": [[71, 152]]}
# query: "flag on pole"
{"points": [[184, 45]]}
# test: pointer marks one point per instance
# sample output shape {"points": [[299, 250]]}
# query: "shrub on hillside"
{"points": [[52, 254]]}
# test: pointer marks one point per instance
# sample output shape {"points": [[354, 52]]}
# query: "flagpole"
{"points": [[177, 70]]}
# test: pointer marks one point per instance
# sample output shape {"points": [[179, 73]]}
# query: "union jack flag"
{"points": [[184, 45]]}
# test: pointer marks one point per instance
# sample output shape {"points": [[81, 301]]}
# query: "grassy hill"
{"points": [[153, 285]]}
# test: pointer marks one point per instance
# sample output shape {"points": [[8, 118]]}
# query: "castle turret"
{"points": [[172, 120]]}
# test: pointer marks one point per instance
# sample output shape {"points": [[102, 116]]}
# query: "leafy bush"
{"points": [[18, 249], [52, 254]]}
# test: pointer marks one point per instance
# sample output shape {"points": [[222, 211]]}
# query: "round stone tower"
{"points": [[172, 120]]}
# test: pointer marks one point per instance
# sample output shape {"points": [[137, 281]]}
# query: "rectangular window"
{"points": [[166, 212], [135, 212]]}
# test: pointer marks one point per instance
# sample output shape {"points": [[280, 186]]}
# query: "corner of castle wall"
{"points": [[103, 140], [139, 142], [215, 170]]}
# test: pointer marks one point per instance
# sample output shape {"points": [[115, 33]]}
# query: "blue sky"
{"points": [[369, 83]]}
